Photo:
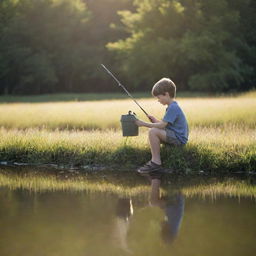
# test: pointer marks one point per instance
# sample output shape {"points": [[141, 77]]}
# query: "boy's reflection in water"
{"points": [[172, 205]]}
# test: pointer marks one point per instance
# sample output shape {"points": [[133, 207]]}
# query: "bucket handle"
{"points": [[131, 113]]}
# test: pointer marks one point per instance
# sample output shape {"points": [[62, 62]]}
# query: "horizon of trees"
{"points": [[51, 46]]}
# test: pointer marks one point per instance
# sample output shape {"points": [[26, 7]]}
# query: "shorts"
{"points": [[171, 138]]}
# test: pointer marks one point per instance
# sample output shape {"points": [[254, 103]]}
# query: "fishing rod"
{"points": [[126, 91]]}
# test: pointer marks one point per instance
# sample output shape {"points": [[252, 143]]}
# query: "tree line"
{"points": [[51, 46]]}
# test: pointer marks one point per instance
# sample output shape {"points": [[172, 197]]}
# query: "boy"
{"points": [[172, 129]]}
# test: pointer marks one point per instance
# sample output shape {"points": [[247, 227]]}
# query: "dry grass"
{"points": [[206, 112]]}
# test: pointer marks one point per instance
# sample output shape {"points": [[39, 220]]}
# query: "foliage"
{"points": [[49, 46], [198, 43], [42, 46]]}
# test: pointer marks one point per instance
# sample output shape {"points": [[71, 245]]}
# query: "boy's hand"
{"points": [[152, 119], [139, 123]]}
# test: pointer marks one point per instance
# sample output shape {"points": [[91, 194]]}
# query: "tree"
{"points": [[7, 11], [194, 42], [41, 42]]}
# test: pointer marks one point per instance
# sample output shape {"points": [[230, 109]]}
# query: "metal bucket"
{"points": [[129, 127]]}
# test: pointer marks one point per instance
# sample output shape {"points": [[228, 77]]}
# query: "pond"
{"points": [[140, 217]]}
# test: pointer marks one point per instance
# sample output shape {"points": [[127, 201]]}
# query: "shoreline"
{"points": [[91, 169]]}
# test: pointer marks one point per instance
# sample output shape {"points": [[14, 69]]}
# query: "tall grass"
{"points": [[208, 112], [222, 134], [209, 149]]}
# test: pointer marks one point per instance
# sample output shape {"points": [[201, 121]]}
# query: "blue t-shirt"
{"points": [[177, 122], [174, 212]]}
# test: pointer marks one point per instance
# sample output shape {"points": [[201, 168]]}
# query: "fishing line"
{"points": [[125, 90]]}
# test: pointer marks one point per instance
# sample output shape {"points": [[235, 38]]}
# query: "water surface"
{"points": [[91, 223]]}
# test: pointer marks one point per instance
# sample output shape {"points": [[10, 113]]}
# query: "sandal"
{"points": [[149, 167]]}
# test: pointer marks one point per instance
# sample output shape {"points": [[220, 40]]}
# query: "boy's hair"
{"points": [[164, 85]]}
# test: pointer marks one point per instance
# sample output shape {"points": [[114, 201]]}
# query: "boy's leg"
{"points": [[155, 192], [156, 136]]}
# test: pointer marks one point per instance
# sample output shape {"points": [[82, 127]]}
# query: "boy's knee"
{"points": [[153, 131]]}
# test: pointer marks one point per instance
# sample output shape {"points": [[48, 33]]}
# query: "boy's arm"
{"points": [[153, 119], [160, 124]]}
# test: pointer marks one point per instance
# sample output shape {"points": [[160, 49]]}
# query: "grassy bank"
{"points": [[209, 149], [222, 134]]}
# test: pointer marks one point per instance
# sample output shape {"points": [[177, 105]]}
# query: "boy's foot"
{"points": [[149, 167]]}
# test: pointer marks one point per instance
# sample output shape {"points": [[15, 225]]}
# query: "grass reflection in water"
{"points": [[124, 183]]}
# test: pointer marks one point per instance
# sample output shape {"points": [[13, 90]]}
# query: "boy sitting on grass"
{"points": [[172, 129]]}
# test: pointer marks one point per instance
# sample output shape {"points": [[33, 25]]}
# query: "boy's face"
{"points": [[164, 99]]}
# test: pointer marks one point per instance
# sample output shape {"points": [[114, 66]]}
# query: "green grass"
{"points": [[214, 150], [64, 97], [222, 134], [67, 97]]}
